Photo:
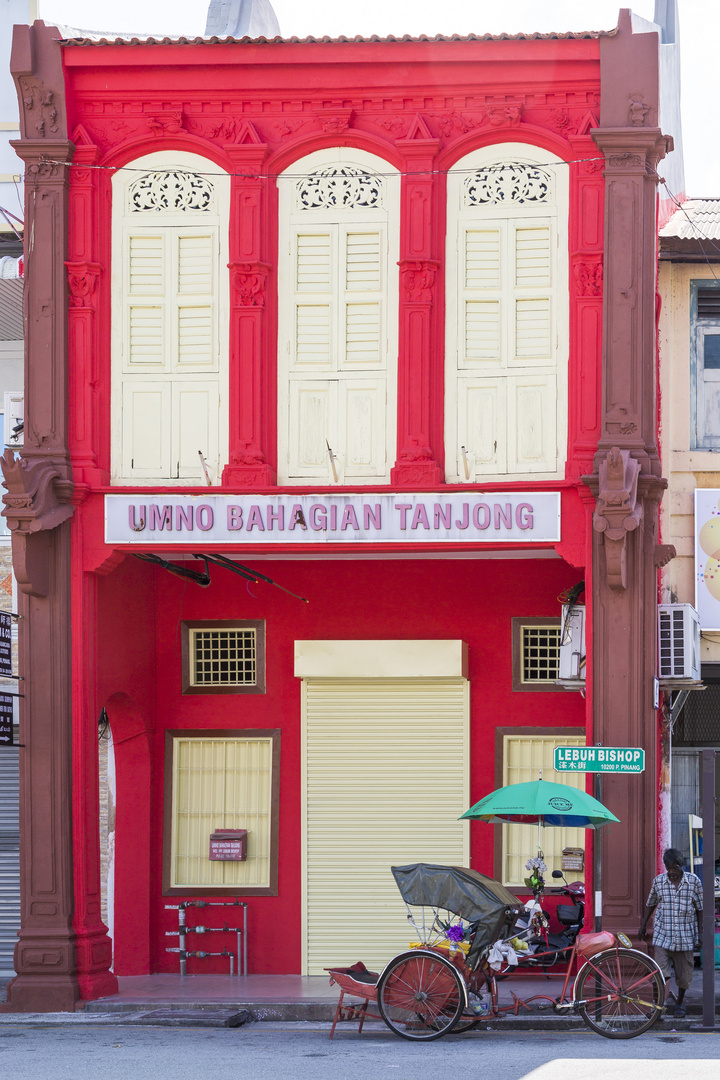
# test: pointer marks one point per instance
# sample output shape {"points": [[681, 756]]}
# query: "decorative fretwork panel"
{"points": [[339, 188], [512, 184], [170, 192]]}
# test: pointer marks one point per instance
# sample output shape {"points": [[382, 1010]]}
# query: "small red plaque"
{"points": [[228, 845]]}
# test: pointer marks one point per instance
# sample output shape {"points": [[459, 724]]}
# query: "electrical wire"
{"points": [[310, 175], [701, 235]]}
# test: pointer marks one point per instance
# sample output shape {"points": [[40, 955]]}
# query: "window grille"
{"points": [[223, 657], [525, 757], [221, 780], [540, 653], [699, 721]]}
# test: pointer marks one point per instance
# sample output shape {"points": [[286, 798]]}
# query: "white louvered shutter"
{"points": [[146, 287], [507, 385], [386, 768], [338, 382], [507, 330], [147, 428], [481, 311], [170, 380], [194, 409]]}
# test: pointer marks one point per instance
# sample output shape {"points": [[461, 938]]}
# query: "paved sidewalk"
{"points": [[212, 1000]]}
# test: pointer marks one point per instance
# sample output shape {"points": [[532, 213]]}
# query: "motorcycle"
{"points": [[544, 948]]}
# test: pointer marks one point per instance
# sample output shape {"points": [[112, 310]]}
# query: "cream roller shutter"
{"points": [[385, 768]]}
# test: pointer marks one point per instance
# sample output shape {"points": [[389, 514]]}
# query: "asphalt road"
{"points": [[277, 1051]]}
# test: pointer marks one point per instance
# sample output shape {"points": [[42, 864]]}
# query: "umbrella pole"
{"points": [[597, 858]]}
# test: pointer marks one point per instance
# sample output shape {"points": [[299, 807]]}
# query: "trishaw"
{"points": [[443, 985]]}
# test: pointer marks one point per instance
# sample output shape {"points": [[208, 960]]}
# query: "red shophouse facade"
{"points": [[416, 576]]}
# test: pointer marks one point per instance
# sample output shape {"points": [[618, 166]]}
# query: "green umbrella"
{"points": [[543, 803]]}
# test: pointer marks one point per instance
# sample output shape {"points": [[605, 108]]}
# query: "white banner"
{"points": [[707, 557], [459, 518]]}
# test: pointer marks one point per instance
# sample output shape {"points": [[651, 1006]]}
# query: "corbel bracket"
{"points": [[38, 499], [618, 511]]}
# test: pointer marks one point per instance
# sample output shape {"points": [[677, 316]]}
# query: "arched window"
{"points": [[507, 315], [170, 320], [338, 304]]}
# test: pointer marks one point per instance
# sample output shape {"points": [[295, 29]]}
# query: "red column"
{"points": [[250, 348], [420, 371], [586, 306], [83, 346]]}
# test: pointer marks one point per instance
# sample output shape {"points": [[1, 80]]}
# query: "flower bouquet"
{"points": [[537, 868], [454, 935]]}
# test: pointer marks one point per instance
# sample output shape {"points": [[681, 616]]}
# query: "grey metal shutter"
{"points": [[9, 856]]}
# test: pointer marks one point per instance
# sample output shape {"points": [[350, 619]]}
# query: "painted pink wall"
{"points": [[139, 612]]}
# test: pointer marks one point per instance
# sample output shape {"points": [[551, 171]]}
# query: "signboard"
{"points": [[6, 720], [5, 643], [458, 518], [707, 557], [615, 759], [228, 845]]}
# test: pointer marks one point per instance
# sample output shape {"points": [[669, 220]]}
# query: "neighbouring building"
{"points": [[689, 325], [11, 412], [340, 376]]}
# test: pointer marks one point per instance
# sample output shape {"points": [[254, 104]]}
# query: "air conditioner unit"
{"points": [[14, 408], [572, 643], [678, 643]]}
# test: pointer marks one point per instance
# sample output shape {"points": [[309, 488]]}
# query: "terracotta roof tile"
{"points": [[72, 36]]}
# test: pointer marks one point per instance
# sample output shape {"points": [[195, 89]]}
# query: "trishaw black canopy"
{"points": [[466, 893]]}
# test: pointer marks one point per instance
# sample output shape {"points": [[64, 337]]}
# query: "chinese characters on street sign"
{"points": [[6, 669], [5, 643], [615, 759], [6, 720]]}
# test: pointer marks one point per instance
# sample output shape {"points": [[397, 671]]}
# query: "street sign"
{"points": [[6, 720], [602, 759], [5, 643]]}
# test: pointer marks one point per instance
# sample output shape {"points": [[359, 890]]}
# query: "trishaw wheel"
{"points": [[624, 990], [467, 1022], [421, 995]]}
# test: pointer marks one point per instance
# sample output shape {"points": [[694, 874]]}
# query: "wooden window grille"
{"points": [[536, 653], [525, 757], [223, 657], [541, 652], [221, 780]]}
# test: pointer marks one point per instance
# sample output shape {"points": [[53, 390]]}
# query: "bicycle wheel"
{"points": [[623, 991], [468, 1022], [421, 995]]}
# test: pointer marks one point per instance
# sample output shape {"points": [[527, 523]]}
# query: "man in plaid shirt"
{"points": [[676, 899]]}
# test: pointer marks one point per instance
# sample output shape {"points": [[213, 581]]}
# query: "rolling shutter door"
{"points": [[9, 857], [386, 780]]}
